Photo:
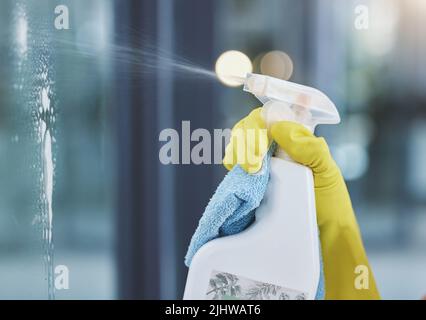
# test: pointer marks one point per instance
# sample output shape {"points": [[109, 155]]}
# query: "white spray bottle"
{"points": [[277, 257]]}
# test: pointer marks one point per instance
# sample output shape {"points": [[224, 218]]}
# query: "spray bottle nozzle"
{"points": [[290, 101], [255, 84]]}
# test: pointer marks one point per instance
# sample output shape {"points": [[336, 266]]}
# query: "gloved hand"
{"points": [[249, 143], [342, 247]]}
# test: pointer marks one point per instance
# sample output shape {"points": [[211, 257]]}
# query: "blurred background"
{"points": [[88, 104]]}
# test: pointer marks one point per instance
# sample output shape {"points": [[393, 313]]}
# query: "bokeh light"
{"points": [[381, 36], [353, 160], [277, 64], [360, 129], [232, 66]]}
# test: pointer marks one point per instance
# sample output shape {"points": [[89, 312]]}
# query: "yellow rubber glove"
{"points": [[249, 143], [344, 258]]}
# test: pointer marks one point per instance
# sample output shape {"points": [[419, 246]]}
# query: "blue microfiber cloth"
{"points": [[232, 209]]}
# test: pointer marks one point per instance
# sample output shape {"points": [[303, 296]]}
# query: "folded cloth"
{"points": [[232, 209]]}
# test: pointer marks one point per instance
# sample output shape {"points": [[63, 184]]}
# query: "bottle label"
{"points": [[227, 286]]}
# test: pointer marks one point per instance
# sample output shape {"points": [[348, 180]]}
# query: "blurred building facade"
{"points": [[122, 220]]}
